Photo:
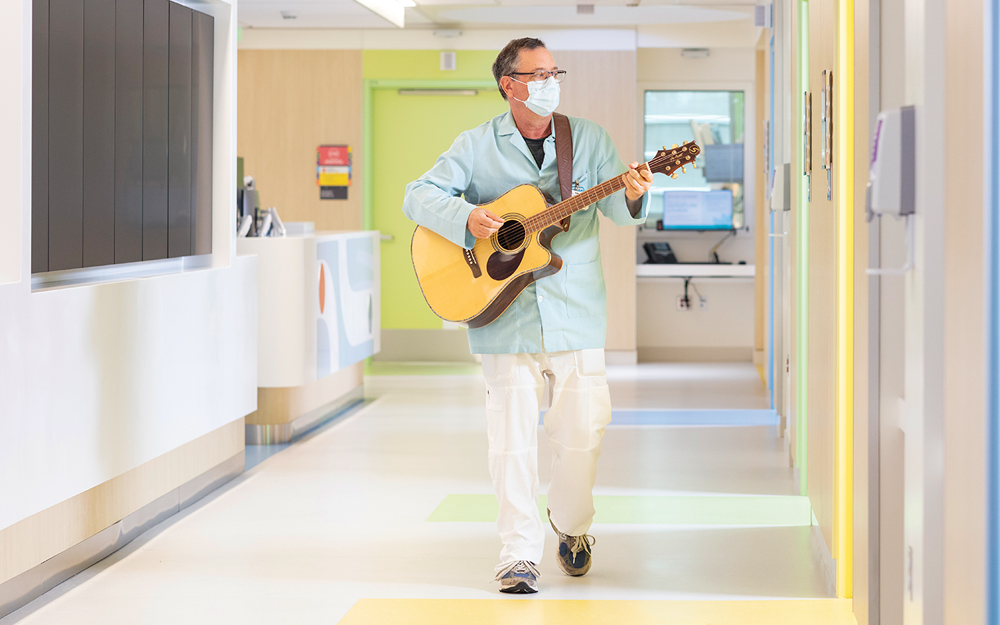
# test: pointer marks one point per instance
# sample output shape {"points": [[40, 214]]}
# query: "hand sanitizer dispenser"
{"points": [[892, 184]]}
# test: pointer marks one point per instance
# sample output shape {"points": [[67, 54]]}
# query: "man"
{"points": [[556, 327]]}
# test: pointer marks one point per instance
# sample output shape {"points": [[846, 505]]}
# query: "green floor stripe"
{"points": [[423, 368], [765, 510]]}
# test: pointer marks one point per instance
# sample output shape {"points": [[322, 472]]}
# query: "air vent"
{"points": [[449, 61], [289, 15], [584, 9]]}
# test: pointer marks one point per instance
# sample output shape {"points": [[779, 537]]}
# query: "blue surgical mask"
{"points": [[543, 96]]}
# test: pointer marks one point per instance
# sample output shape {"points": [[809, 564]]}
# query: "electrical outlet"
{"points": [[683, 303], [702, 303]]}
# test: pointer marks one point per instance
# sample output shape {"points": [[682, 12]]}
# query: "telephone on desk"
{"points": [[660, 253]]}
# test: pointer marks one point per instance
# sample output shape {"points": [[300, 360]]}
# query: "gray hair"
{"points": [[509, 58]]}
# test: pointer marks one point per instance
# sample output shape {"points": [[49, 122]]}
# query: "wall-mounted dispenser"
{"points": [[892, 182]]}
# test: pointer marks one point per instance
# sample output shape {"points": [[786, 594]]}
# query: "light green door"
{"points": [[409, 132]]}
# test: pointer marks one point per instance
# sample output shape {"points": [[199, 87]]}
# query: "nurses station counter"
{"points": [[318, 320]]}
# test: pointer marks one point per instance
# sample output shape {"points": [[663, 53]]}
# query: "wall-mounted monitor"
{"points": [[698, 210], [723, 163]]}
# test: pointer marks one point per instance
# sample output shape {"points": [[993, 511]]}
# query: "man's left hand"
{"points": [[637, 181]]}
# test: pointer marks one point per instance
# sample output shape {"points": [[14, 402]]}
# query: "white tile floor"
{"points": [[341, 515]]}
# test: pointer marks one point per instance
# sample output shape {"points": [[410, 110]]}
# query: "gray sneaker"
{"points": [[574, 555], [519, 578]]}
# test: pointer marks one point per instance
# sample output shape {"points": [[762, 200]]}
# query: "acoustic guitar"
{"points": [[474, 287]]}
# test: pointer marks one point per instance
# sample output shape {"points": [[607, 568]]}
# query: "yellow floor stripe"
{"points": [[560, 612]]}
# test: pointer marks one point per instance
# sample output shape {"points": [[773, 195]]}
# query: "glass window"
{"points": [[712, 119]]}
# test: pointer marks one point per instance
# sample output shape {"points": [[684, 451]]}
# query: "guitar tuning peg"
{"points": [[674, 176], [664, 148], [683, 171], [695, 165], [674, 145], [686, 142]]}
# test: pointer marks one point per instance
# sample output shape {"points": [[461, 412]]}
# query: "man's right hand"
{"points": [[483, 224]]}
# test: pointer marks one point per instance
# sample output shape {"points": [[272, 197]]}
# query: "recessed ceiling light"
{"points": [[288, 15]]}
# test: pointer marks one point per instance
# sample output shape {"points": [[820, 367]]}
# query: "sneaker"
{"points": [[519, 578], [574, 555]]}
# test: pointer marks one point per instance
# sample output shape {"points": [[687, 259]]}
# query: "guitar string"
{"points": [[561, 210]]}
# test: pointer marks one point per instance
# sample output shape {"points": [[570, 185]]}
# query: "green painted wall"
{"points": [[426, 65], [406, 135]]}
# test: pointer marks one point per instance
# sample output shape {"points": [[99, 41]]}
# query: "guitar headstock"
{"points": [[668, 161]]}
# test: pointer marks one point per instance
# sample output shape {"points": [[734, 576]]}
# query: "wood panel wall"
{"points": [[965, 411], [613, 106], [41, 536], [822, 280], [761, 213], [290, 102]]}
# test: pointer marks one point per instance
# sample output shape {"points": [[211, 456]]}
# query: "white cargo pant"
{"points": [[575, 421]]}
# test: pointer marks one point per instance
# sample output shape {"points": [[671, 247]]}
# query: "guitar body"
{"points": [[476, 286]]}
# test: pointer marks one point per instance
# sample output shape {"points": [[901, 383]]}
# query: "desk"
{"points": [[708, 270], [721, 331], [318, 320]]}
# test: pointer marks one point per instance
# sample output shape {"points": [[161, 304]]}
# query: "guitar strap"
{"points": [[564, 159]]}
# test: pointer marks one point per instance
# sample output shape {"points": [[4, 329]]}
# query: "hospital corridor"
{"points": [[492, 312]]}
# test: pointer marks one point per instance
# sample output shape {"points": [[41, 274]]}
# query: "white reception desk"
{"points": [[318, 320]]}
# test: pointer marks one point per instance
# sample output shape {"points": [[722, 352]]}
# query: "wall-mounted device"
{"points": [[826, 117], [781, 189], [892, 181], [807, 144]]}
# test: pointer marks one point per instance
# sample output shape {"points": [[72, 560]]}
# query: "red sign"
{"points": [[330, 155]]}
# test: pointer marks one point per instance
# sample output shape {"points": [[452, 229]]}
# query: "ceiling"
{"points": [[493, 13]]}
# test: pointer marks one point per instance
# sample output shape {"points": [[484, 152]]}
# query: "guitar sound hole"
{"points": [[510, 236]]}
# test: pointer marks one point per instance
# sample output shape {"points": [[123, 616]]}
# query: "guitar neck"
{"points": [[557, 212]]}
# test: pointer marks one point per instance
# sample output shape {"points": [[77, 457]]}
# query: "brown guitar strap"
{"points": [[564, 159]]}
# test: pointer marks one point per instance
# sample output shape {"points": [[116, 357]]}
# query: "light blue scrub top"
{"points": [[566, 311]]}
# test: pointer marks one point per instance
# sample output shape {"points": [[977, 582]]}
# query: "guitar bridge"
{"points": [[470, 259]]}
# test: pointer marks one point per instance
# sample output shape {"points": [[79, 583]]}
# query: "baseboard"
{"points": [[18, 591], [621, 356], [424, 346], [695, 354], [822, 554], [277, 433]]}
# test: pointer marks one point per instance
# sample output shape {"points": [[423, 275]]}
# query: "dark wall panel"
{"points": [[128, 131], [179, 150], [202, 81], [40, 136], [122, 132], [66, 134], [155, 45], [99, 133]]}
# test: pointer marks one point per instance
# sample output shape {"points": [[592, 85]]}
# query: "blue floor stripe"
{"points": [[692, 417]]}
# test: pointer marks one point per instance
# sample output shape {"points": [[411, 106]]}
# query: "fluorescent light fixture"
{"points": [[390, 10], [695, 53]]}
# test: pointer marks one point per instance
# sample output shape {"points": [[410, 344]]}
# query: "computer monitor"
{"points": [[722, 162], [698, 210]]}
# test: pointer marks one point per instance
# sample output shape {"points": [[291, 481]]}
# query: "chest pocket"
{"points": [[581, 183]]}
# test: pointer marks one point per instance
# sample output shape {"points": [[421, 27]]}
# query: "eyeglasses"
{"points": [[542, 74]]}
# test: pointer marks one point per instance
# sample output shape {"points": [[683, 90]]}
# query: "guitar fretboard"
{"points": [[557, 212]]}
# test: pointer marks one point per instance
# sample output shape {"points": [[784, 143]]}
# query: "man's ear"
{"points": [[505, 84]]}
